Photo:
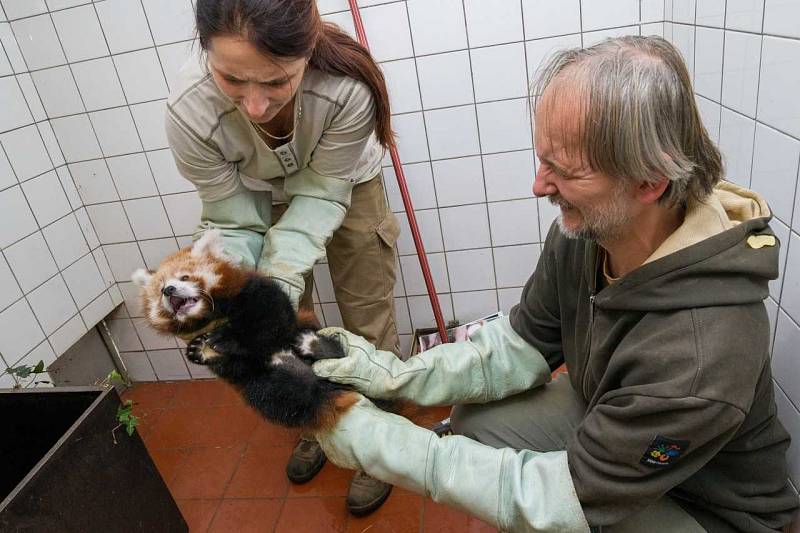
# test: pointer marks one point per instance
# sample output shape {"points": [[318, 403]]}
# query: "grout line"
{"points": [[483, 169], [428, 147], [788, 246]]}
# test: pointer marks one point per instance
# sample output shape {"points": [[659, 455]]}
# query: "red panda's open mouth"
{"points": [[181, 305]]}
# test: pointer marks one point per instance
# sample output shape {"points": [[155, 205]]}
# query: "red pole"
{"points": [[409, 207]]}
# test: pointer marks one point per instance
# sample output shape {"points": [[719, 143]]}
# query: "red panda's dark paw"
{"points": [[223, 340], [194, 350]]}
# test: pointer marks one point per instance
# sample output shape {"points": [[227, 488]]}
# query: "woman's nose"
{"points": [[255, 102]]}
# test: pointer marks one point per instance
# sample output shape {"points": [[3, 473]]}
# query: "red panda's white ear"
{"points": [[141, 277], [209, 243]]}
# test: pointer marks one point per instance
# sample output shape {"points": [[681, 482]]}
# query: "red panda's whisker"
{"points": [[204, 294]]}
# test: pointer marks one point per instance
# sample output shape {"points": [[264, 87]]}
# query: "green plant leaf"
{"points": [[22, 371], [126, 418], [129, 427], [39, 368], [115, 376]]}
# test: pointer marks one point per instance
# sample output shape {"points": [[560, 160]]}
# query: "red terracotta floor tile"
{"points": [[268, 434], [246, 516], [261, 473], [202, 393], [168, 462], [399, 514], [175, 428], [152, 394], [438, 518], [206, 472], [198, 513], [225, 425], [312, 515], [330, 481], [147, 419], [247, 466]]}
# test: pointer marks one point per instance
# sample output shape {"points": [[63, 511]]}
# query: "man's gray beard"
{"points": [[599, 226]]}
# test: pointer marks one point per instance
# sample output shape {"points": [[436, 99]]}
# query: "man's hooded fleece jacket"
{"points": [[673, 362]]}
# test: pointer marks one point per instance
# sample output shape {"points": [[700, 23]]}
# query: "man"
{"points": [[650, 288]]}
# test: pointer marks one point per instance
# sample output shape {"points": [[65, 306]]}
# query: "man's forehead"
{"points": [[559, 133]]}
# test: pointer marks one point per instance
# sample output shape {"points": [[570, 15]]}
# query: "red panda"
{"points": [[242, 325]]}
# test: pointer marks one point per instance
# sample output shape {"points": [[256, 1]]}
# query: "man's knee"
{"points": [[475, 422], [463, 420]]}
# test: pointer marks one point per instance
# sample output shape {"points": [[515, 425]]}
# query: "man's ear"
{"points": [[141, 277], [209, 243], [650, 192]]}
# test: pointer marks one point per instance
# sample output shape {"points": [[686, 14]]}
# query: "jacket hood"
{"points": [[724, 253]]}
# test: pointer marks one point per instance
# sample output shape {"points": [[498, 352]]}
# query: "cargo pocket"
{"points": [[389, 229]]}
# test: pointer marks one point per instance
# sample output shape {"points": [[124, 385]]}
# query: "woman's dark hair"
{"points": [[294, 29]]}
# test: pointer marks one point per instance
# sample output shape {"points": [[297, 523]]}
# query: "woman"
{"points": [[282, 129]]}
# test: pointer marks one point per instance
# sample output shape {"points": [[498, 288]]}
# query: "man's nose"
{"points": [[542, 186]]}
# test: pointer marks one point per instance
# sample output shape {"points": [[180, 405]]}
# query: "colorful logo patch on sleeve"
{"points": [[663, 452]]}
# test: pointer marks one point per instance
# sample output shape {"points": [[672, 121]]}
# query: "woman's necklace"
{"points": [[288, 135]]}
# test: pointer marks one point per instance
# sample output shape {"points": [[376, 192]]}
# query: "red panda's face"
{"points": [[178, 296]]}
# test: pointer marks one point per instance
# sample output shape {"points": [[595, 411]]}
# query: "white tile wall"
{"points": [[116, 131], [778, 105], [14, 112], [80, 33], [740, 71], [710, 13], [493, 22], [736, 142], [46, 198], [97, 75], [437, 25], [775, 161], [36, 37], [459, 181], [16, 217], [387, 31], [26, 152], [543, 18], [419, 179], [58, 91], [98, 83], [452, 132], [745, 15], [124, 25], [498, 72], [76, 138], [445, 80], [708, 62]]}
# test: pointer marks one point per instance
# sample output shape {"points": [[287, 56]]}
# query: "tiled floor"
{"points": [[225, 467]]}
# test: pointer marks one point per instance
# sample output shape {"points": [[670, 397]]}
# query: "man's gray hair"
{"points": [[637, 117]]}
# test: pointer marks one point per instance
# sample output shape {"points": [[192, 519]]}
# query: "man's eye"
{"points": [[234, 81]]}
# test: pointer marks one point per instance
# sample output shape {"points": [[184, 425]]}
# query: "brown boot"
{"points": [[306, 460], [366, 494]]}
